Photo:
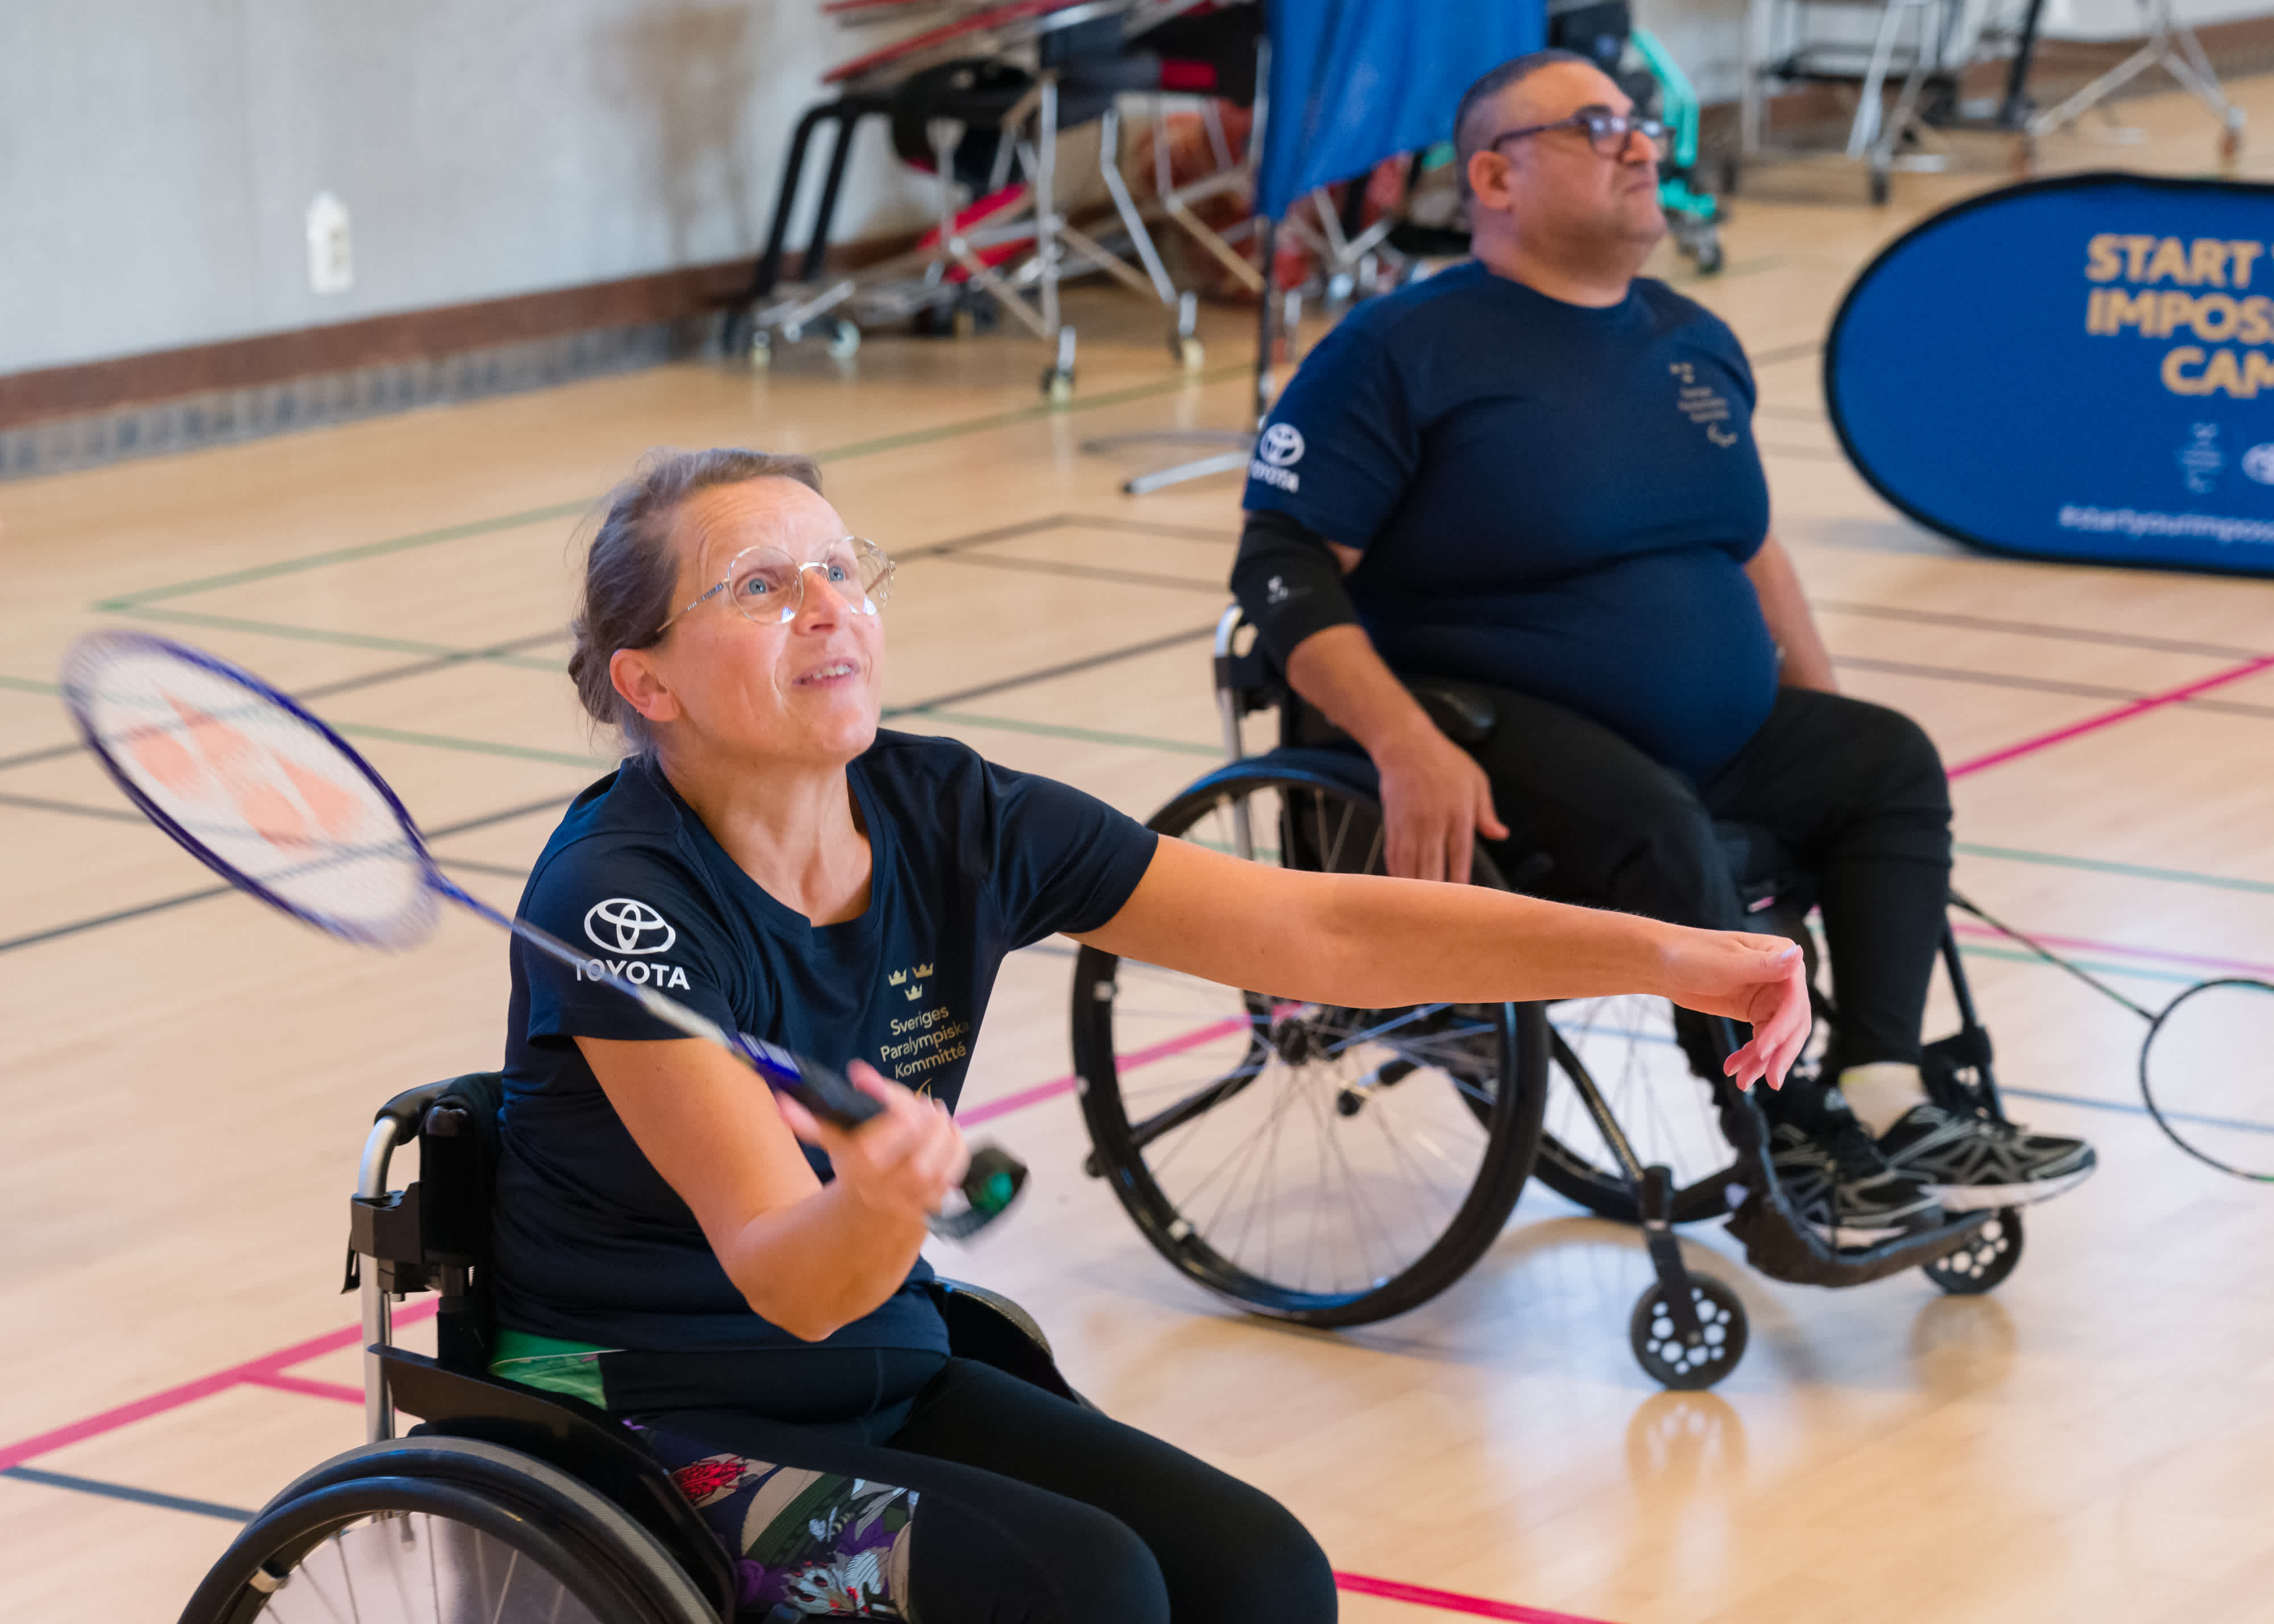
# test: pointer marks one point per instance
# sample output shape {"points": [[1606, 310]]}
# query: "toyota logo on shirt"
{"points": [[1282, 445], [625, 924]]}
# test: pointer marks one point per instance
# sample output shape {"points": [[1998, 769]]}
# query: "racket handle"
{"points": [[991, 1183]]}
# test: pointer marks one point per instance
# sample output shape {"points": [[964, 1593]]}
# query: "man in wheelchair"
{"points": [[1534, 474]]}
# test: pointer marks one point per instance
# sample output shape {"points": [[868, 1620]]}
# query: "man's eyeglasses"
{"points": [[1607, 132], [766, 585]]}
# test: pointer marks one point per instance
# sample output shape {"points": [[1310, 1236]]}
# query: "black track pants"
{"points": [[1854, 790], [1029, 1510]]}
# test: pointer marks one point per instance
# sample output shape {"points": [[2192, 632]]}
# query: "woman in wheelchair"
{"points": [[665, 1247]]}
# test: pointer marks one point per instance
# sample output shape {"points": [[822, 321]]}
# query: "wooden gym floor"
{"points": [[187, 1077]]}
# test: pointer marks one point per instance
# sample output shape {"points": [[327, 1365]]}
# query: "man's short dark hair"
{"points": [[1473, 123]]}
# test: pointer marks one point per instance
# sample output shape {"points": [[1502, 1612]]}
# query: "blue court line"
{"points": [[2130, 1110], [120, 1490], [2124, 1106]]}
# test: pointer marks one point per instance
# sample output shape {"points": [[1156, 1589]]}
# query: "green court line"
{"points": [[343, 555], [1053, 730], [564, 510], [471, 746], [25, 685], [325, 636], [2099, 967], [2137, 871]]}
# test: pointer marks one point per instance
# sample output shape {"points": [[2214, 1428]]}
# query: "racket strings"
{"points": [[256, 790]]}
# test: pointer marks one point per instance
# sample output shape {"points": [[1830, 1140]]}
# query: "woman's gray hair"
{"points": [[629, 569]]}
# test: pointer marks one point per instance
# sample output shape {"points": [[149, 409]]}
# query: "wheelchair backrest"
{"points": [[434, 1235]]}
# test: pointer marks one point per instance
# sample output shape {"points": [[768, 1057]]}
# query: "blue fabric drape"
{"points": [[1355, 81]]}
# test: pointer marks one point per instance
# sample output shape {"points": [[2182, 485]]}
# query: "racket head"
{"points": [[2207, 1074], [247, 781]]}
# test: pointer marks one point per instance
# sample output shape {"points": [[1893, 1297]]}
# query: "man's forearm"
{"points": [[1337, 670], [1784, 606]]}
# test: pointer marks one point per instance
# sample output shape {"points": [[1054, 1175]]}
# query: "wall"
{"points": [[156, 156], [1707, 36]]}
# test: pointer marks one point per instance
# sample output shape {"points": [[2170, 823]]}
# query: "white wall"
{"points": [[156, 156]]}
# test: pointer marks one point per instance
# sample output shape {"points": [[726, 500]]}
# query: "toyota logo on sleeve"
{"points": [[1282, 445], [624, 925]]}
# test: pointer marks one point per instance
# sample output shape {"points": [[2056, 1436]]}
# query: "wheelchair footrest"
{"points": [[1780, 1246], [1783, 1247]]}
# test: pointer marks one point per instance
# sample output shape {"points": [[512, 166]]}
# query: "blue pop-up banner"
{"points": [[2078, 369]]}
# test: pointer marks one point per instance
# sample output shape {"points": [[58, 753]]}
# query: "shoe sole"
{"points": [[1981, 1198], [1845, 1235]]}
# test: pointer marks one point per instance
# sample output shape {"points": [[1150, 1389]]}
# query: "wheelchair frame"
{"points": [[1777, 1242], [487, 1442]]}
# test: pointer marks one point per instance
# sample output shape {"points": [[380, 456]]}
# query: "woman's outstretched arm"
{"points": [[1373, 942]]}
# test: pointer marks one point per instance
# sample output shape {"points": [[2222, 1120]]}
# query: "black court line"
{"points": [[1088, 662], [2036, 629], [1987, 678], [1093, 572], [2043, 685], [42, 803], [1058, 522], [1066, 668], [341, 685], [120, 1490], [118, 916], [1787, 352]]}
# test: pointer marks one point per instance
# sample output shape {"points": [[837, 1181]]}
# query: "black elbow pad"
{"points": [[1288, 583]]}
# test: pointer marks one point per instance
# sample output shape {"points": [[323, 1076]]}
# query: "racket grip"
{"points": [[827, 1093], [991, 1183]]}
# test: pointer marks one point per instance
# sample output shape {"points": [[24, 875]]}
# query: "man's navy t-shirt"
{"points": [[971, 860], [1550, 498]]}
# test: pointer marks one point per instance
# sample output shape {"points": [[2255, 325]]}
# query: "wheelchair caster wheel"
{"points": [[1058, 385], [1880, 184], [844, 340], [1689, 1364], [1983, 1262], [761, 352], [2230, 145], [1188, 351]]}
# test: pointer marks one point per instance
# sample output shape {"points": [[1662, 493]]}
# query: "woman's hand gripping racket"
{"points": [[277, 804]]}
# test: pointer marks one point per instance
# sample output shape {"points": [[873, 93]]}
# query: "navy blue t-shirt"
{"points": [[1550, 498], [971, 862]]}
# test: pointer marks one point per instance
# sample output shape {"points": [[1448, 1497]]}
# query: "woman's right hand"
{"points": [[1760, 979], [903, 1162]]}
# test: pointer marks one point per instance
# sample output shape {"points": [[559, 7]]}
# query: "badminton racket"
{"points": [[2205, 1064], [260, 791]]}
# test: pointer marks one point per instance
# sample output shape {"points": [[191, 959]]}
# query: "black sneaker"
{"points": [[1970, 1162], [1842, 1188]]}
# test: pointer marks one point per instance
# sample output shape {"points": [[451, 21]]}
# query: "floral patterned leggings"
{"points": [[994, 1502]]}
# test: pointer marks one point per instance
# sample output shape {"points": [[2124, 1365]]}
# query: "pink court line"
{"points": [[258, 1372], [2109, 718], [1453, 1601], [2088, 944], [308, 1386], [1058, 1086], [270, 1370]]}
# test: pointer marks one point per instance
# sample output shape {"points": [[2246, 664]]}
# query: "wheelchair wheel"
{"points": [[1627, 1047], [1983, 1263], [444, 1531], [1689, 1363], [1323, 1165]]}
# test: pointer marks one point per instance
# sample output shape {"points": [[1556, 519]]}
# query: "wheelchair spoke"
{"points": [[1308, 1160], [1198, 1101]]}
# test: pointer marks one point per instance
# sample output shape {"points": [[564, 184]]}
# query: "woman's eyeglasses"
{"points": [[766, 585], [1607, 132]]}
